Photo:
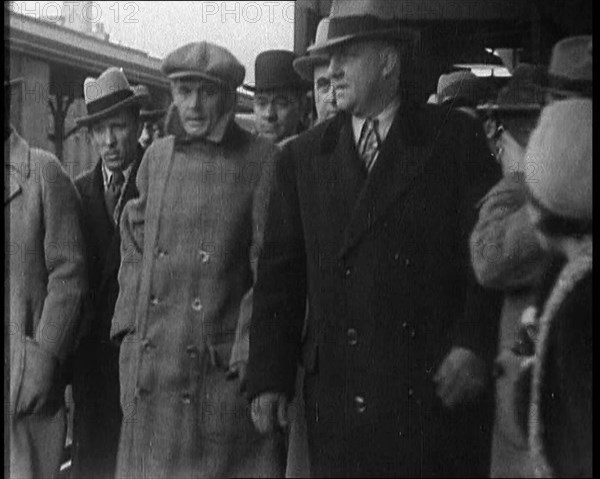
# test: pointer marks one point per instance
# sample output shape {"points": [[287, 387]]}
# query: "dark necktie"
{"points": [[113, 191], [368, 144]]}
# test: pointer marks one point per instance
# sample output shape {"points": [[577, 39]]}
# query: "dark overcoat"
{"points": [[185, 269], [97, 416], [384, 261]]}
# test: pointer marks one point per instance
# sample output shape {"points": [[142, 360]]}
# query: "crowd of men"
{"points": [[393, 289]]}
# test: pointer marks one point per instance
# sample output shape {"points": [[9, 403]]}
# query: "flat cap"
{"points": [[206, 61]]}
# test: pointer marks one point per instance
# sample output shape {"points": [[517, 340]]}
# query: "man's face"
{"points": [[115, 139], [201, 104], [277, 113], [150, 131], [355, 73], [325, 98]]}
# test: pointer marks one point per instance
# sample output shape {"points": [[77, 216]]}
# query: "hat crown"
{"points": [[111, 81], [572, 58], [274, 69], [382, 9], [322, 31], [449, 83], [525, 87]]}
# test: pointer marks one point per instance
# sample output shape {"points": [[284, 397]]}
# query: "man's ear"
{"points": [[390, 58]]}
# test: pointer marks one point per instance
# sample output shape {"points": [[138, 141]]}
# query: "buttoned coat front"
{"points": [[185, 268], [384, 260]]}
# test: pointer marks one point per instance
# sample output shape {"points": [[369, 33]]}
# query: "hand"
{"points": [[269, 412], [460, 378]]}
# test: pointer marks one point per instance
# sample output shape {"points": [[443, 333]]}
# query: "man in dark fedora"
{"points": [[185, 273], [45, 283], [313, 67], [279, 95], [112, 124], [151, 119], [369, 218]]}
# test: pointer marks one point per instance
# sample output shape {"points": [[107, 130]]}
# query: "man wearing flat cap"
{"points": [[186, 246], [112, 123], [279, 95], [45, 284], [369, 217]]}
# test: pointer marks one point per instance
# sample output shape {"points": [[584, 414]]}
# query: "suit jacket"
{"points": [[45, 284], [97, 420], [384, 261]]}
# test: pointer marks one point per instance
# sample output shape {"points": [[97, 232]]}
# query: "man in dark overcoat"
{"points": [[112, 123], [369, 216]]}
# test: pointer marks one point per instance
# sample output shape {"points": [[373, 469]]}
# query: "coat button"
{"points": [[147, 345], [397, 256], [404, 325], [160, 253], [413, 334], [141, 392], [360, 404], [153, 300], [196, 305], [410, 392], [192, 350], [407, 262], [348, 272], [204, 256], [352, 337], [186, 398]]}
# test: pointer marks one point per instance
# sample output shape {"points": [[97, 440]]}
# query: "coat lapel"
{"points": [[401, 160], [16, 166]]}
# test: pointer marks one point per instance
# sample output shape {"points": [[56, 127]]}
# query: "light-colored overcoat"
{"points": [[185, 270], [45, 282]]}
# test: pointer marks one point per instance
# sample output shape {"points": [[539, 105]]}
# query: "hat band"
{"points": [[582, 87], [358, 25], [108, 101]]}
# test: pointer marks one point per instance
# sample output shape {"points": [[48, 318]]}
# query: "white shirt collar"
{"points": [[386, 118], [107, 174]]}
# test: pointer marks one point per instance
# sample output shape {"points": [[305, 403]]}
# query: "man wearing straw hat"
{"points": [[369, 218], [185, 273], [112, 124], [45, 285]]}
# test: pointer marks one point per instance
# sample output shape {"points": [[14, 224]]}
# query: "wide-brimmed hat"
{"points": [[570, 69], [205, 61], [107, 94], [273, 69], [462, 87], [351, 20], [149, 110], [306, 64], [560, 152], [524, 92]]}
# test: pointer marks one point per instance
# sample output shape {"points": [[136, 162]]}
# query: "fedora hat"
{"points": [[305, 65], [107, 94], [274, 69], [149, 111], [523, 94], [363, 20], [461, 86], [570, 70]]}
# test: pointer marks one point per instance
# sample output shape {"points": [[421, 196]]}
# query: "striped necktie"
{"points": [[369, 143], [113, 191]]}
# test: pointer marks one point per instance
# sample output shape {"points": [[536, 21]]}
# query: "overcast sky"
{"points": [[246, 28]]}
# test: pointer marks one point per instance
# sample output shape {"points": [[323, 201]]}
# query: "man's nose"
{"points": [[109, 137], [334, 71], [271, 112], [196, 99]]}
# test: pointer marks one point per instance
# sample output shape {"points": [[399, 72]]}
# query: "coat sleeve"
{"points": [[476, 328], [64, 252], [280, 288], [241, 347], [132, 226], [505, 251]]}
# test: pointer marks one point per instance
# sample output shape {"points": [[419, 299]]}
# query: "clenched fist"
{"points": [[269, 412]]}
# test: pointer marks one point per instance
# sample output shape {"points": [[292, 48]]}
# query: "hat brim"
{"points": [[387, 34], [511, 108], [305, 66], [192, 74], [277, 86], [152, 114], [135, 100]]}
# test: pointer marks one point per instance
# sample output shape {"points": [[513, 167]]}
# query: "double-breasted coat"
{"points": [[185, 269], [45, 284], [384, 261], [95, 381]]}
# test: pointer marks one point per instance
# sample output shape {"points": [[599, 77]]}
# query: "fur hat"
{"points": [[560, 155]]}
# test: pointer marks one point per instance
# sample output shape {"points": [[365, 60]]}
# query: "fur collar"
{"points": [[573, 272]]}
